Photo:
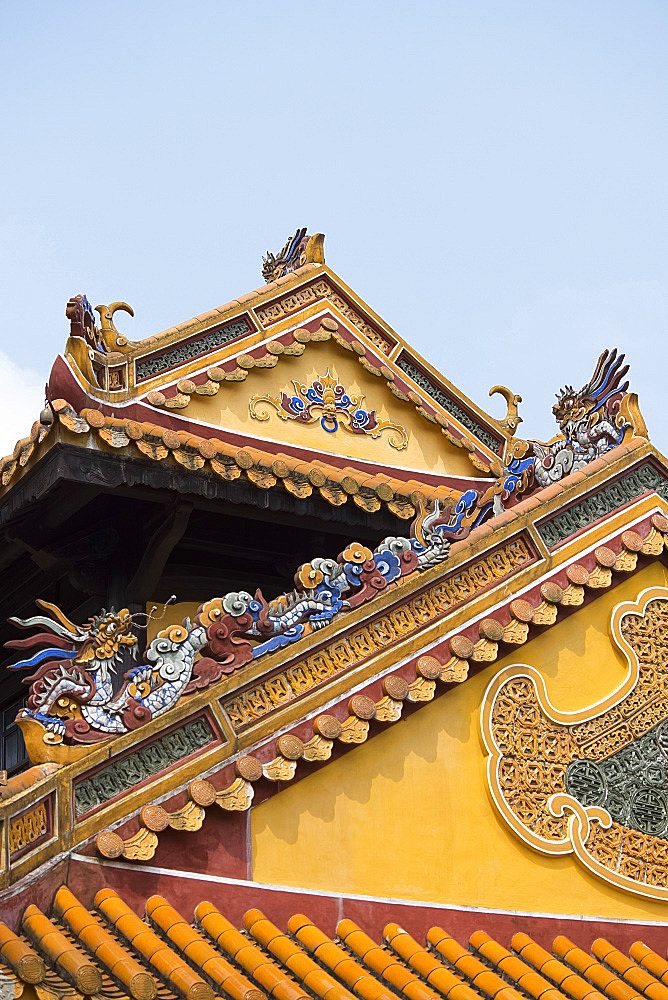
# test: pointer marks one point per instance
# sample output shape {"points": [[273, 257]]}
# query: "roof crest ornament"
{"points": [[592, 420], [71, 700], [298, 250], [111, 339], [512, 419]]}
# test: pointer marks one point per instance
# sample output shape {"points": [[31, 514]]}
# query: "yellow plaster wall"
{"points": [[173, 615], [427, 448], [407, 814]]}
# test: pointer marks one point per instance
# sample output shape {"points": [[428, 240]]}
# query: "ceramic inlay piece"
{"points": [[592, 421], [72, 701]]}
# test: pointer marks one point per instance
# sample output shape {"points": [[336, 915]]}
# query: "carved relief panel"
{"points": [[594, 782]]}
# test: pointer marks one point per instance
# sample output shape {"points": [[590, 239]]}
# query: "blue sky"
{"points": [[491, 176]]}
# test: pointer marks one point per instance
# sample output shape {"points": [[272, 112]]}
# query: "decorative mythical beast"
{"points": [[286, 260], [71, 692], [591, 420]]}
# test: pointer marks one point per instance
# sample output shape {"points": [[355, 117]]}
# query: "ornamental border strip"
{"points": [[611, 496], [316, 290], [149, 365], [85, 796], [444, 399]]}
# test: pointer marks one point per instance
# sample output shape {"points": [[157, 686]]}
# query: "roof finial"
{"points": [[299, 249]]}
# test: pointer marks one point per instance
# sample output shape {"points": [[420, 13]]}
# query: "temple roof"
{"points": [[107, 950], [241, 693]]}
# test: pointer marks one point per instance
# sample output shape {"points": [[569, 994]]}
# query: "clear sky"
{"points": [[490, 176]]}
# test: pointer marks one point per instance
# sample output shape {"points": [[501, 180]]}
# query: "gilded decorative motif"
{"points": [[141, 847], [326, 400], [236, 798], [592, 782], [342, 654], [28, 828], [318, 748], [190, 817]]}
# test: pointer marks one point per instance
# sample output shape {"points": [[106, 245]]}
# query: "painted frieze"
{"points": [[72, 699], [593, 782]]}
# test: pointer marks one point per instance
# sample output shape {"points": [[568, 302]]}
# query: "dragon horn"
{"points": [[49, 623], [57, 613]]}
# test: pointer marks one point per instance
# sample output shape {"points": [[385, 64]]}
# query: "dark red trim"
{"points": [[136, 885]]}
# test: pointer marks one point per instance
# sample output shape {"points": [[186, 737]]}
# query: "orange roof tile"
{"points": [[164, 955], [73, 964], [650, 961], [265, 469], [605, 980]]}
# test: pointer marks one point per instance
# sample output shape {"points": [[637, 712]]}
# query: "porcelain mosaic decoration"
{"points": [[592, 420], [71, 692], [290, 257], [327, 401], [593, 783]]}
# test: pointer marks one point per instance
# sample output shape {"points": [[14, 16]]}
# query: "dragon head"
{"points": [[107, 632], [569, 407], [606, 384]]}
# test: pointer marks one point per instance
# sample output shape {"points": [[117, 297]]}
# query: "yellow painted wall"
{"points": [[427, 448], [407, 814]]}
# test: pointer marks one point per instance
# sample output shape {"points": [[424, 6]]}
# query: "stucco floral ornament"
{"points": [[357, 553], [308, 576]]}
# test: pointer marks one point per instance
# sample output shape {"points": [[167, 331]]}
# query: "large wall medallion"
{"points": [[595, 782]]}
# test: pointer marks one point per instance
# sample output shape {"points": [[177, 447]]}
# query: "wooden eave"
{"points": [[214, 455]]}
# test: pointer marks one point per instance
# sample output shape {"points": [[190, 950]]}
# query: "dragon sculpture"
{"points": [[591, 420], [286, 260], [71, 692]]}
